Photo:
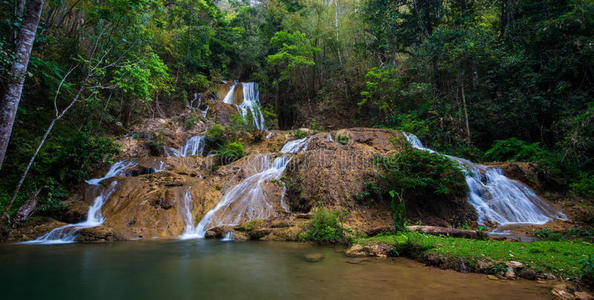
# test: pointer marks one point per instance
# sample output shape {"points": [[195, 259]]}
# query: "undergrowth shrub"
{"points": [[215, 137], [325, 227], [514, 149], [421, 175], [230, 152]]}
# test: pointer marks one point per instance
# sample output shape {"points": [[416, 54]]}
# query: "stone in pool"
{"points": [[314, 257]]}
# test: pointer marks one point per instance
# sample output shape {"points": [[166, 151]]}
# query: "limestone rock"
{"points": [[528, 274], [313, 257], [514, 264]]}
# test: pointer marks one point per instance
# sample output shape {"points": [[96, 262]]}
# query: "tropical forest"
{"points": [[297, 149]]}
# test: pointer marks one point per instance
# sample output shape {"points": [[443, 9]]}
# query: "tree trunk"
{"points": [[465, 109], [45, 135], [14, 89]]}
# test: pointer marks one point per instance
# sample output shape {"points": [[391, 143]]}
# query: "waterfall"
{"points": [[251, 104], [228, 237], [193, 146], [229, 97], [247, 201], [67, 233], [186, 212], [116, 169], [497, 198]]}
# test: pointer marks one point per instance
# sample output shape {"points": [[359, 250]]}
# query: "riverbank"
{"points": [[539, 260]]}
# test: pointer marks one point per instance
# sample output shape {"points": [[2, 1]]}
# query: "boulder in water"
{"points": [[314, 257]]}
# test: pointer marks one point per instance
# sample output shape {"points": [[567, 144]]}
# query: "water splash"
{"points": [[67, 234], [247, 200], [497, 198], [228, 237], [117, 169], [193, 146]]}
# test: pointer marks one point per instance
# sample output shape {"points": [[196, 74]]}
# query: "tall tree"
{"points": [[18, 69]]}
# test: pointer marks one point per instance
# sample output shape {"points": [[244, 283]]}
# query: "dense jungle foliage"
{"points": [[487, 80]]}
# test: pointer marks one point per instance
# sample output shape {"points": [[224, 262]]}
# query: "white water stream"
{"points": [[250, 105], [247, 200], [193, 146], [497, 198]]}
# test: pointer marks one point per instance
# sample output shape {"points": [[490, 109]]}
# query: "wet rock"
{"points": [[279, 224], [509, 273], [210, 234], [374, 249], [259, 233], [313, 257], [514, 264], [562, 293], [528, 274], [583, 296], [95, 234], [492, 277], [356, 250]]}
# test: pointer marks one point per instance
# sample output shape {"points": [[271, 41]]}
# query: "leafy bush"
{"points": [[325, 227], [422, 175], [583, 186], [371, 192], [343, 139], [298, 134], [230, 152], [215, 137], [398, 212], [513, 149]]}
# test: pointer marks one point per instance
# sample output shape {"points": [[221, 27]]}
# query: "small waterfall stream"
{"points": [[193, 146], [247, 201], [67, 233], [251, 103], [497, 198], [229, 97]]}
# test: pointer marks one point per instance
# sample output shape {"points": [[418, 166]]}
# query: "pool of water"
{"points": [[205, 269]]}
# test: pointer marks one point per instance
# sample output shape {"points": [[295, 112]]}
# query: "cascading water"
{"points": [[193, 146], [251, 104], [247, 201], [67, 233], [497, 198], [116, 169], [229, 97]]}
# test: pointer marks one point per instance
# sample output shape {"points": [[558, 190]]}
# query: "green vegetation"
{"points": [[298, 134], [326, 228], [230, 152], [421, 175], [215, 137], [560, 258], [342, 139]]}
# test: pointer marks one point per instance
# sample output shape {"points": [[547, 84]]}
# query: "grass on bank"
{"points": [[562, 258]]}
